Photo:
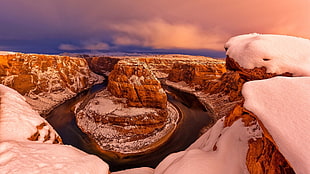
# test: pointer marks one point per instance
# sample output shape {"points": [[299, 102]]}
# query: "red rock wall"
{"points": [[44, 73], [134, 81]]}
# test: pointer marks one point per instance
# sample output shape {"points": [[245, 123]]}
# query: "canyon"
{"points": [[134, 107]]}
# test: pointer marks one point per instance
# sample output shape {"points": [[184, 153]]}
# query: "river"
{"points": [[194, 117]]}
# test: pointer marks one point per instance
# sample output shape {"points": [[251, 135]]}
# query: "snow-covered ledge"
{"points": [[282, 104], [278, 53]]}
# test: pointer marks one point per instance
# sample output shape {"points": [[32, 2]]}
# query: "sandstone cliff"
{"points": [[197, 73], [132, 79], [45, 80], [263, 155]]}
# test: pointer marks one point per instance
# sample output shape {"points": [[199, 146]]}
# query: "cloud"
{"points": [[96, 46], [68, 47], [160, 34], [92, 46], [183, 24]]}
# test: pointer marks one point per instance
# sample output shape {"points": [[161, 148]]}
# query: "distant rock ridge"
{"points": [[197, 73], [46, 80]]}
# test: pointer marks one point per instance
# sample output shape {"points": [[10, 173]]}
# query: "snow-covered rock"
{"points": [[217, 147], [19, 122], [30, 157], [278, 53], [282, 104], [26, 142], [142, 170], [122, 129]]}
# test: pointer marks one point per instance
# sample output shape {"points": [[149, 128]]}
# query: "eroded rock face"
{"points": [[132, 79], [197, 73], [45, 80], [263, 155]]}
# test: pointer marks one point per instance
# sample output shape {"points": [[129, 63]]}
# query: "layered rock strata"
{"points": [[46, 80], [132, 79], [197, 73]]}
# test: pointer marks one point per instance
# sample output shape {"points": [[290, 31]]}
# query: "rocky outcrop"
{"points": [[132, 79], [263, 155], [45, 80]]}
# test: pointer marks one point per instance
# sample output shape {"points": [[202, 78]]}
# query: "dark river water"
{"points": [[194, 117]]}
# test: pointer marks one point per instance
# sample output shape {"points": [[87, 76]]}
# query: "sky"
{"points": [[198, 27]]}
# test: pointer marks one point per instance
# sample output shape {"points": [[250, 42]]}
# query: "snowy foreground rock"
{"points": [[282, 104], [26, 142], [18, 122]]}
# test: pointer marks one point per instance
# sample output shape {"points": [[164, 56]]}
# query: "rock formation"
{"points": [[45, 80], [119, 128], [263, 155], [132, 79], [197, 73]]}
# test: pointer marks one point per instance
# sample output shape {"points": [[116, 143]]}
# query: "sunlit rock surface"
{"points": [[133, 80]]}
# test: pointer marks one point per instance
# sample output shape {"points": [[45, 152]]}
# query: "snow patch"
{"points": [[282, 104], [18, 121], [141, 170], [278, 53], [31, 157], [3, 53], [211, 151]]}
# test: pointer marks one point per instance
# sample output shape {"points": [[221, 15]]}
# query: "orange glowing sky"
{"points": [[143, 25]]}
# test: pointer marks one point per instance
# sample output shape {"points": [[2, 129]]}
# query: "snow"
{"points": [[278, 53], [216, 147], [282, 104], [141, 170], [3, 53], [17, 119], [32, 157], [18, 122]]}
